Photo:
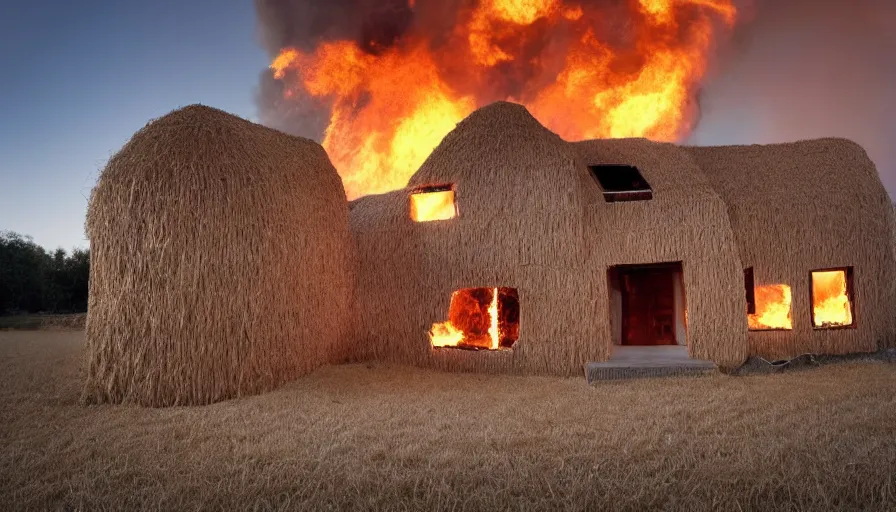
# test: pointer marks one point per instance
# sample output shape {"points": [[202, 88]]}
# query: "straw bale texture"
{"points": [[532, 218], [519, 193], [806, 206], [222, 264], [685, 221]]}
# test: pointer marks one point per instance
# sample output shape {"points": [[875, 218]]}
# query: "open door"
{"points": [[649, 304]]}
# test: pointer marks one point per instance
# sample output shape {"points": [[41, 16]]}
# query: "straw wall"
{"points": [[518, 191], [532, 218], [806, 206], [221, 266], [685, 221]]}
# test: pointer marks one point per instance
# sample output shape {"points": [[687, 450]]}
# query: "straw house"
{"points": [[222, 264], [520, 198], [227, 261], [627, 242], [806, 207]]}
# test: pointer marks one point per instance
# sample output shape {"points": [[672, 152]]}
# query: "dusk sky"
{"points": [[79, 78]]}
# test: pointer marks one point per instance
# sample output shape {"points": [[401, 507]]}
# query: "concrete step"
{"points": [[608, 371], [641, 362]]}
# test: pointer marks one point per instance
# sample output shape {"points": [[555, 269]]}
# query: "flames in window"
{"points": [[831, 306], [433, 203], [480, 319], [773, 303]]}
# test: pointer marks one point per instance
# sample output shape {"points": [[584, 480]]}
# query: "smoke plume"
{"points": [[376, 25], [303, 24], [803, 69]]}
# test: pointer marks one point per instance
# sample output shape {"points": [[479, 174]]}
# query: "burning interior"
{"points": [[772, 306], [480, 319], [832, 298], [433, 203]]}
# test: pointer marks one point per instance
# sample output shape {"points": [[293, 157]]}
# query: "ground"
{"points": [[381, 437]]}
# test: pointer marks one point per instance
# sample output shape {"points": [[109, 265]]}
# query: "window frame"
{"points": [[430, 189], [849, 271], [792, 315], [616, 196]]}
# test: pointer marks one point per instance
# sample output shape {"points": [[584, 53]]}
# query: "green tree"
{"points": [[32, 280]]}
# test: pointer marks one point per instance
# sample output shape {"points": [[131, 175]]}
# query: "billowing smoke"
{"points": [[796, 69], [376, 25], [803, 69], [302, 24]]}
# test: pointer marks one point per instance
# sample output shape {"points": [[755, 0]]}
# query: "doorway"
{"points": [[647, 304]]}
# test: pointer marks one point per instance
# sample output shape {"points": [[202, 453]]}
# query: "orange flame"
{"points": [[431, 206], [389, 110], [830, 302], [494, 333], [446, 334], [772, 308]]}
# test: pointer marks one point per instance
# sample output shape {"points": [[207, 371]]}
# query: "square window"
{"points": [[832, 298], [433, 203], [773, 308], [621, 183], [480, 319]]}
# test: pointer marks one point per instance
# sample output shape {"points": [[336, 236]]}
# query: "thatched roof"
{"points": [[805, 206], [222, 263]]}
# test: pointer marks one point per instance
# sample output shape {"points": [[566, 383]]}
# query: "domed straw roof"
{"points": [[222, 262]]}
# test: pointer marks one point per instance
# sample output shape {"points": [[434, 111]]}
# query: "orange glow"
{"points": [[430, 206], [773, 303], [388, 110], [830, 302], [494, 333], [479, 319]]}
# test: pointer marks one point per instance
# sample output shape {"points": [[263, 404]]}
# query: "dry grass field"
{"points": [[389, 438]]}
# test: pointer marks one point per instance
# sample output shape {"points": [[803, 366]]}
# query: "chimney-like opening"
{"points": [[833, 300], [480, 319], [621, 182], [433, 203]]}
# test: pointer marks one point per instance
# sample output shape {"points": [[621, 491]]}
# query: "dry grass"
{"points": [[385, 438], [74, 322]]}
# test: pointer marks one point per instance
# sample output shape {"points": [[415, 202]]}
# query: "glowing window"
{"points": [[480, 319], [773, 308], [621, 183], [832, 298], [433, 203]]}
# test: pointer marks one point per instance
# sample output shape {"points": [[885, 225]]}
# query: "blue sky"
{"points": [[79, 78]]}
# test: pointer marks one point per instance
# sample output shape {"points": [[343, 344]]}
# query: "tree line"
{"points": [[33, 280]]}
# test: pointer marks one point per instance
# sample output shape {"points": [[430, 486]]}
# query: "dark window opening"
{"points": [[621, 183], [750, 289]]}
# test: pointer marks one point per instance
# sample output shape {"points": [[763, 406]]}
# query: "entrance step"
{"points": [[642, 362]]}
